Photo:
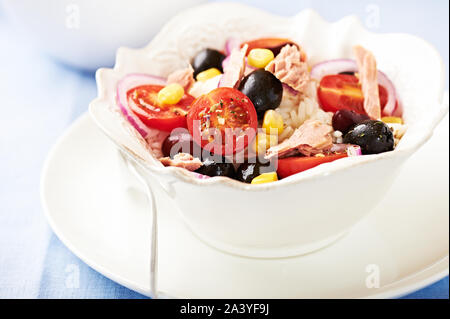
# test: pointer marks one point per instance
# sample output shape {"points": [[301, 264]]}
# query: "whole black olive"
{"points": [[248, 171], [263, 89], [343, 120], [207, 59], [372, 136], [212, 168], [179, 142]]}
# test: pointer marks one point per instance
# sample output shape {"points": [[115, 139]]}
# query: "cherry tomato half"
{"points": [[273, 44], [224, 121], [343, 91], [143, 101], [293, 165]]}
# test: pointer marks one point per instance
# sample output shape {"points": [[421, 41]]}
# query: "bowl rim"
{"points": [[324, 170]]}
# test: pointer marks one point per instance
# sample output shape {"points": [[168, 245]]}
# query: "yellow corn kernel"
{"points": [[263, 142], [273, 122], [171, 94], [208, 74], [265, 178], [392, 119], [259, 58]]}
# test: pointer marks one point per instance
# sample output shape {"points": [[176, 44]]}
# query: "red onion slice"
{"points": [[333, 67], [127, 83], [225, 62], [200, 176], [219, 84], [398, 109], [231, 44], [347, 65], [289, 89], [350, 149], [391, 105], [354, 150]]}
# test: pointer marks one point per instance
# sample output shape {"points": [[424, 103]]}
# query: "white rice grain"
{"points": [[296, 109]]}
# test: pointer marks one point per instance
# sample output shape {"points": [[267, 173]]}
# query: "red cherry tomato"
{"points": [[293, 165], [343, 91], [273, 44], [224, 121], [143, 101]]}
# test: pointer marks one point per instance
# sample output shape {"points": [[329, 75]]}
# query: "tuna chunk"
{"points": [[234, 70], [289, 68], [368, 77], [184, 77], [183, 160], [312, 138], [204, 87]]}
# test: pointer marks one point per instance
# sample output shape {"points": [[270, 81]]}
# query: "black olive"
{"points": [[343, 120], [248, 171], [372, 136], [217, 168], [179, 142], [347, 73], [207, 59], [263, 89]]}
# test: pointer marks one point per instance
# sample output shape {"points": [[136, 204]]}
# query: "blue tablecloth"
{"points": [[40, 98]]}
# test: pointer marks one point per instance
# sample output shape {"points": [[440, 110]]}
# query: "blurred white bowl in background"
{"points": [[85, 33]]}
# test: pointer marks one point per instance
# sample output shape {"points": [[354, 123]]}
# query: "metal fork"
{"points": [[154, 228]]}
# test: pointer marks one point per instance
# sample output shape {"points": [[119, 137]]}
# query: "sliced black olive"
{"points": [[373, 137], [207, 59], [217, 168], [263, 89], [248, 171]]}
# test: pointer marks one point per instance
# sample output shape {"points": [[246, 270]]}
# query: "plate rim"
{"points": [[395, 292]]}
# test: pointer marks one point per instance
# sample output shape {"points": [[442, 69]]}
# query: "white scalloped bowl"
{"points": [[303, 212]]}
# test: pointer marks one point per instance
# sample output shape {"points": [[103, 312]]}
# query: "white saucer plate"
{"points": [[399, 248]]}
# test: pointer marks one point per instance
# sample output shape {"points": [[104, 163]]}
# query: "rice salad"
{"points": [[256, 111]]}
